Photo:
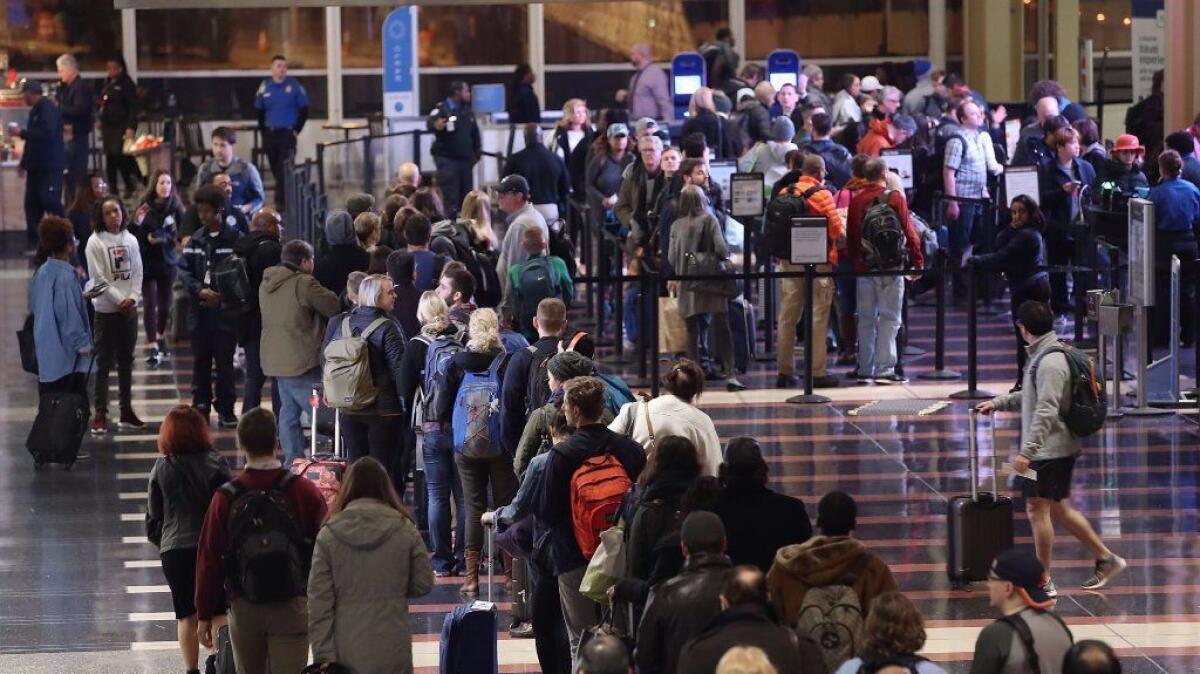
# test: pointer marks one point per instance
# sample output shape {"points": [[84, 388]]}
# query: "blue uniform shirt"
{"points": [[281, 102], [1176, 205]]}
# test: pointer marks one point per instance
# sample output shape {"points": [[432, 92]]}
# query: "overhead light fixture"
{"points": [[1100, 16], [1127, 21]]}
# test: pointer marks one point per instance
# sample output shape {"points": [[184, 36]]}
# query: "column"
{"points": [[993, 39], [129, 41], [937, 33], [737, 25], [1181, 90], [537, 48], [333, 62], [1066, 46]]}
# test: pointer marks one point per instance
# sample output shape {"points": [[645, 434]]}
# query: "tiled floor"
{"points": [[80, 589]]}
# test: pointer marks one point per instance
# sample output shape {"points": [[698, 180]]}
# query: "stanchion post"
{"points": [[939, 371], [654, 367], [808, 397], [972, 392], [619, 308], [647, 304], [602, 273], [769, 317]]}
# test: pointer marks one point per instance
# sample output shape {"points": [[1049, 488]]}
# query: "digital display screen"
{"points": [[780, 79], [686, 85], [487, 98]]}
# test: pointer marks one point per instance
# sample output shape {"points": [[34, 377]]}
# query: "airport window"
{"points": [[603, 32], [37, 32], [838, 30], [471, 36], [230, 39]]}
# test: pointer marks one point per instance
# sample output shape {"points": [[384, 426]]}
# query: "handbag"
{"points": [[672, 330], [26, 345], [607, 565], [708, 263]]}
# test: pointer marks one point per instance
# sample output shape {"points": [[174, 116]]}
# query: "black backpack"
{"points": [[1088, 408], [231, 278], [883, 237], [780, 211], [268, 557], [563, 247], [537, 389]]}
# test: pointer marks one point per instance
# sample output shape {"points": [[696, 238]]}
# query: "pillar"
{"points": [[937, 33], [1181, 88], [993, 40], [333, 63], [1066, 46], [129, 41], [536, 18], [737, 25]]}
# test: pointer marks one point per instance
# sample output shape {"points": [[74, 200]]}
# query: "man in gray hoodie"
{"points": [[1048, 448]]}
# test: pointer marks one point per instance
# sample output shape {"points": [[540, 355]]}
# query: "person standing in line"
{"points": [[523, 104], [649, 93], [115, 267], [156, 224], [1062, 180], [43, 160], [246, 187], [118, 123], [182, 483], [1176, 223], [1049, 448], [545, 173], [282, 105], [968, 160], [75, 100], [457, 145], [62, 333], [261, 250]]}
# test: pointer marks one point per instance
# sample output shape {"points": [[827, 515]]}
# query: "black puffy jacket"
{"points": [[678, 611], [386, 351]]}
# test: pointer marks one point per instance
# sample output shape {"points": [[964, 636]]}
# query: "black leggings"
{"points": [[116, 335], [156, 298]]}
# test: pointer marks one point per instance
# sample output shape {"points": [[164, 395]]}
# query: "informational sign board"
{"points": [[487, 99], [1148, 42], [783, 67], [687, 75], [746, 195], [899, 162], [721, 173], [1021, 180], [810, 241], [1141, 252], [401, 86]]}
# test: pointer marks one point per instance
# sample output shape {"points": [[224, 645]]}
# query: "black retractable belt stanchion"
{"points": [[769, 317], [604, 275], [939, 371], [1196, 328], [619, 312], [655, 327], [647, 304], [808, 397], [972, 392]]}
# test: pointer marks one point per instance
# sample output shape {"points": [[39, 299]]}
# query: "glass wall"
{"points": [[838, 30], [473, 36], [35, 32], [1107, 23], [230, 39], [603, 32]]}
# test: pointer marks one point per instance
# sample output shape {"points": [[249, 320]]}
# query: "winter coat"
{"points": [[1127, 178], [261, 251], [162, 222], [670, 415], [196, 267], [535, 439], [656, 514], [574, 157], [368, 561], [1059, 207], [1019, 253], [1045, 392], [678, 611], [180, 490], [713, 127], [386, 351], [768, 158], [837, 161], [878, 138], [118, 112], [696, 235], [821, 561], [338, 262], [750, 625], [45, 151], [759, 521], [635, 202], [294, 312], [846, 109], [754, 119]]}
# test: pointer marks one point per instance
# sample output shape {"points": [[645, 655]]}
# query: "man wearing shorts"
{"points": [[1049, 448]]}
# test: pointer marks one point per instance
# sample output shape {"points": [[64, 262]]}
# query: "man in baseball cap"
{"points": [[1028, 633], [513, 199]]}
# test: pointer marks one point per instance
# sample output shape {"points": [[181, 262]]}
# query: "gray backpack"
{"points": [[833, 617], [346, 375]]}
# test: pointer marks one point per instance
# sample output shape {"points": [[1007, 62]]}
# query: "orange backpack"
{"points": [[597, 488]]}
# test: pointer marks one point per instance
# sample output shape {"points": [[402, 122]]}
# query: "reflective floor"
{"points": [[81, 589]]}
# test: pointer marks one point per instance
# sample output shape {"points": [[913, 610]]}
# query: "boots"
{"points": [[470, 588]]}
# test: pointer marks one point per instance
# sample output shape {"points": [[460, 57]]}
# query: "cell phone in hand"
{"points": [[96, 290]]}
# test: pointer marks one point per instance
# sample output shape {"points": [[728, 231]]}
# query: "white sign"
{"points": [[1021, 180], [1149, 19], [720, 173], [899, 162], [810, 241], [746, 195], [1141, 252]]}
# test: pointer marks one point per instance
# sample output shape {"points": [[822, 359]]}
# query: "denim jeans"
{"points": [[962, 232], [880, 299], [441, 481], [294, 395]]}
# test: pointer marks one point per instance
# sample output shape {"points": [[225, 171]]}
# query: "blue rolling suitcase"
{"points": [[469, 631], [742, 324]]}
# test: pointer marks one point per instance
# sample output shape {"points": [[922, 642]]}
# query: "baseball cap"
{"points": [[31, 86], [617, 129], [922, 67], [744, 93], [905, 123], [1022, 569], [644, 123], [513, 184], [703, 531], [871, 83]]}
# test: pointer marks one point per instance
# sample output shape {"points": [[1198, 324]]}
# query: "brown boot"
{"points": [[470, 588]]}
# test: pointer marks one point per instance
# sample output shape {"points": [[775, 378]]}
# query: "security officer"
{"points": [[43, 160], [456, 145], [282, 106], [75, 99]]}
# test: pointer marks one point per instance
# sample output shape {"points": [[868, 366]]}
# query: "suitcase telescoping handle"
{"points": [[315, 401], [490, 531], [973, 452]]}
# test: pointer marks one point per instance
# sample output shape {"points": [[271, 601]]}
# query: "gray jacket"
{"points": [[368, 560], [696, 235], [180, 490], [1044, 434]]}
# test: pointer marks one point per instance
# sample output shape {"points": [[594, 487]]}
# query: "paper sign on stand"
{"points": [[810, 241]]}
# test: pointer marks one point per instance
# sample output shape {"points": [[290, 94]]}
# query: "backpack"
{"points": [[433, 376], [537, 282], [562, 246], [883, 237], [833, 617], [268, 557], [909, 663], [616, 393], [1088, 408], [780, 211], [231, 278], [476, 419], [537, 389], [598, 487], [346, 375]]}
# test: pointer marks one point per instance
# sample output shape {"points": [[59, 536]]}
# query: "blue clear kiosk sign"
{"points": [[400, 83]]}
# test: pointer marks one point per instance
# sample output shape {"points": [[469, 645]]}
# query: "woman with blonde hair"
{"points": [[368, 561], [702, 117], [477, 211], [745, 660], [471, 384], [441, 475]]}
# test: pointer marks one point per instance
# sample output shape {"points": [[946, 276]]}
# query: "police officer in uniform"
{"points": [[456, 145], [43, 160], [76, 102], [282, 106]]}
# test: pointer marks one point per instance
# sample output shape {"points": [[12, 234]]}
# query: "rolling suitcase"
{"points": [[742, 324], [980, 525], [60, 426], [324, 470], [468, 644]]}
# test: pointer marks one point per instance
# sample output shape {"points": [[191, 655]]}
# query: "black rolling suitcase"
{"points": [[60, 425], [980, 525]]}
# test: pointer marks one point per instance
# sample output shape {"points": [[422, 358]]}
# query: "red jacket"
{"points": [[858, 208], [878, 138], [307, 504]]}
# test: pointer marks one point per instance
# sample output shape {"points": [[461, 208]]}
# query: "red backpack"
{"points": [[597, 488]]}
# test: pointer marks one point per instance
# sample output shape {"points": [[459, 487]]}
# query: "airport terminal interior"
{"points": [[377, 89]]}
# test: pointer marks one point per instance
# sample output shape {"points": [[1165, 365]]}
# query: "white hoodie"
{"points": [[114, 259]]}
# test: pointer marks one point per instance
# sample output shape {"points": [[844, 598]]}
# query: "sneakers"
{"points": [[100, 423], [1049, 588], [892, 378], [130, 421], [227, 420], [1106, 570], [732, 384], [523, 630], [154, 359]]}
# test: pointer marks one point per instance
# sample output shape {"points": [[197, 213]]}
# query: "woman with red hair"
{"points": [[182, 483]]}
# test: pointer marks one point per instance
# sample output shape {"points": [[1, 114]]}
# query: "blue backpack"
{"points": [[616, 392], [437, 359], [476, 419], [513, 341]]}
